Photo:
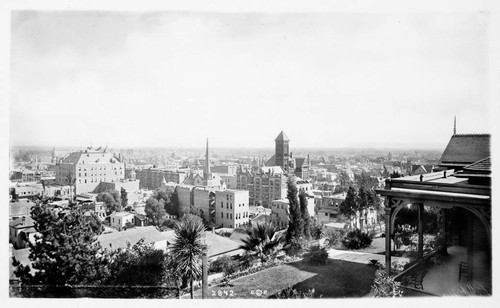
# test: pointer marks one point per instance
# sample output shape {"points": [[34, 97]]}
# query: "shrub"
{"points": [[223, 264], [316, 255], [295, 248], [293, 293], [374, 262], [385, 286], [169, 223], [317, 230], [357, 239], [334, 237], [403, 235]]}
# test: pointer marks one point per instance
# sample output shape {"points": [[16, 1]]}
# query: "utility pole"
{"points": [[204, 265]]}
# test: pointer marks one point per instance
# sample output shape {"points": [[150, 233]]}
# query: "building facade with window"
{"points": [[264, 184], [231, 208], [86, 169], [152, 178]]}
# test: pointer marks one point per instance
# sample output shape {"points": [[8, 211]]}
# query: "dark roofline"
{"points": [[472, 135]]}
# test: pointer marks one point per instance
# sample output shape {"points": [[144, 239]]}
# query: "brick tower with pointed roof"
{"points": [[282, 153]]}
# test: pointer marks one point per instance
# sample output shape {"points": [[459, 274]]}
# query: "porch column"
{"points": [[420, 231], [388, 212], [470, 246], [444, 219]]}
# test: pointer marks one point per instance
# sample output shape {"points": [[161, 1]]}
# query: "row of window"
{"points": [[237, 216], [94, 181], [100, 174]]}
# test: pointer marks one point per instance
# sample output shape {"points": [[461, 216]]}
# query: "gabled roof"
{"points": [[463, 150], [282, 137]]}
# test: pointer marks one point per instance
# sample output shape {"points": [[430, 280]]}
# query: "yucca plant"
{"points": [[188, 248], [263, 241]]}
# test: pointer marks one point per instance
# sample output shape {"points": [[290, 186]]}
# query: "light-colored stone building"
{"points": [[264, 184], [231, 208], [86, 169]]}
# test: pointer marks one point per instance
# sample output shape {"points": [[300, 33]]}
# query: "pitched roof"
{"points": [[282, 137], [91, 157], [271, 161], [479, 169], [463, 150], [219, 244], [120, 239], [482, 165]]}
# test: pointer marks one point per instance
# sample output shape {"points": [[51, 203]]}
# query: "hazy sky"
{"points": [[174, 79]]}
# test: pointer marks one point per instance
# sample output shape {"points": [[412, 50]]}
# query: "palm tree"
{"points": [[188, 248], [262, 241]]}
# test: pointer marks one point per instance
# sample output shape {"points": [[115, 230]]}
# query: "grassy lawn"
{"points": [[336, 279]]}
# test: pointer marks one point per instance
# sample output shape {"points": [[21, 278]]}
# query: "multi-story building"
{"points": [[280, 213], [225, 169], [231, 208], [265, 184], [152, 178], [86, 169]]}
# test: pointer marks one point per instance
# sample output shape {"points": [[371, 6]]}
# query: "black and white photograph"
{"points": [[246, 152]]}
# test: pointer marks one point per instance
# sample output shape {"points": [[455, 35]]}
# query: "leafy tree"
{"points": [[349, 207], [296, 223], [344, 180], [365, 201], [199, 213], [174, 207], [188, 248], [139, 265], [171, 200], [64, 252], [161, 193], [123, 198], [155, 211], [317, 230], [262, 241], [111, 199], [365, 180], [306, 218]]}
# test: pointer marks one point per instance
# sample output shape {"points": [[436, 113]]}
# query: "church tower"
{"points": [[282, 153]]}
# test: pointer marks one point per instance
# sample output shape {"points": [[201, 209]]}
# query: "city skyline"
{"points": [[334, 80]]}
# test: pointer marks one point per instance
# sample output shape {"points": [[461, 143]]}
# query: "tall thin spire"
{"points": [[454, 125], [207, 163]]}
